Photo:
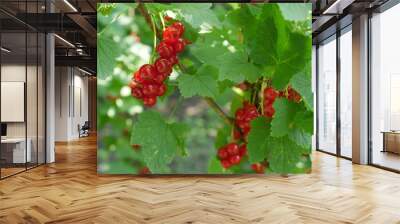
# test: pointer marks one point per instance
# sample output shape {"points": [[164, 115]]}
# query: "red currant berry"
{"points": [[236, 134], [161, 90], [132, 84], [135, 147], [246, 130], [222, 153], [258, 167], [138, 77], [137, 92], [269, 111], [147, 73], [226, 163], [144, 170], [167, 18], [240, 114], [243, 86], [179, 46], [242, 150], [149, 101], [163, 66], [165, 50], [232, 149], [159, 79], [173, 60], [270, 93], [268, 102], [150, 90], [234, 159], [180, 27], [171, 35]]}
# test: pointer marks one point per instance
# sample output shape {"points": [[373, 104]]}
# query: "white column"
{"points": [[360, 90]]}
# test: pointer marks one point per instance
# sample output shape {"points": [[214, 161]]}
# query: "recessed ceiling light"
{"points": [[70, 5], [64, 40], [84, 71]]}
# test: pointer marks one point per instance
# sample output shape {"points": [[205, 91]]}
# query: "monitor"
{"points": [[3, 129]]}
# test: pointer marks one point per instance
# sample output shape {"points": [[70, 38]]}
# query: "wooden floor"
{"points": [[70, 191]]}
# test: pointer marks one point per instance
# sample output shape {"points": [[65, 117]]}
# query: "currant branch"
{"points": [[228, 120]]}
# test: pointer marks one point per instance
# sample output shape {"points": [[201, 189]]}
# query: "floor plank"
{"points": [[70, 191]]}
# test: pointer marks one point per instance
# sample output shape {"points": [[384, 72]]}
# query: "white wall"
{"points": [[71, 94]]}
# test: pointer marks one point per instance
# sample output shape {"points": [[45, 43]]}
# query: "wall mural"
{"points": [[202, 88]]}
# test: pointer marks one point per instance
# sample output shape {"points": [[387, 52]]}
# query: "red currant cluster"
{"points": [[231, 154], [243, 116], [148, 81], [293, 95], [270, 95]]}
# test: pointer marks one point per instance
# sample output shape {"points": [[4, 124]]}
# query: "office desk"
{"points": [[16, 147], [391, 141]]}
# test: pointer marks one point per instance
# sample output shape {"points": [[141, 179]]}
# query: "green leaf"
{"points": [[263, 34], [304, 121], [241, 17], [287, 157], [120, 167], [107, 52], [155, 8], [105, 8], [274, 46], [198, 14], [208, 47], [296, 11], [282, 121], [158, 140], [301, 82], [236, 67], [293, 57], [301, 138], [258, 139], [222, 138], [203, 83], [180, 131]]}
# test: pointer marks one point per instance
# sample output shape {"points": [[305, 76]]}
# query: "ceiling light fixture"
{"points": [[5, 50], [84, 71], [331, 7], [70, 5], [337, 7], [64, 40]]}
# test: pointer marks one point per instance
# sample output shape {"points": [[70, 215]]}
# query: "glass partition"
{"points": [[22, 90], [14, 155]]}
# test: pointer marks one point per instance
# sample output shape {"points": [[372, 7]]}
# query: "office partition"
{"points": [[22, 77]]}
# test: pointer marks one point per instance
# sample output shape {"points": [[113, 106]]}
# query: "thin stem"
{"points": [[153, 25], [148, 19], [178, 102], [219, 111], [162, 21], [263, 85]]}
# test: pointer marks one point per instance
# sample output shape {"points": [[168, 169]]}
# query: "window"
{"points": [[346, 93], [327, 96], [385, 89]]}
